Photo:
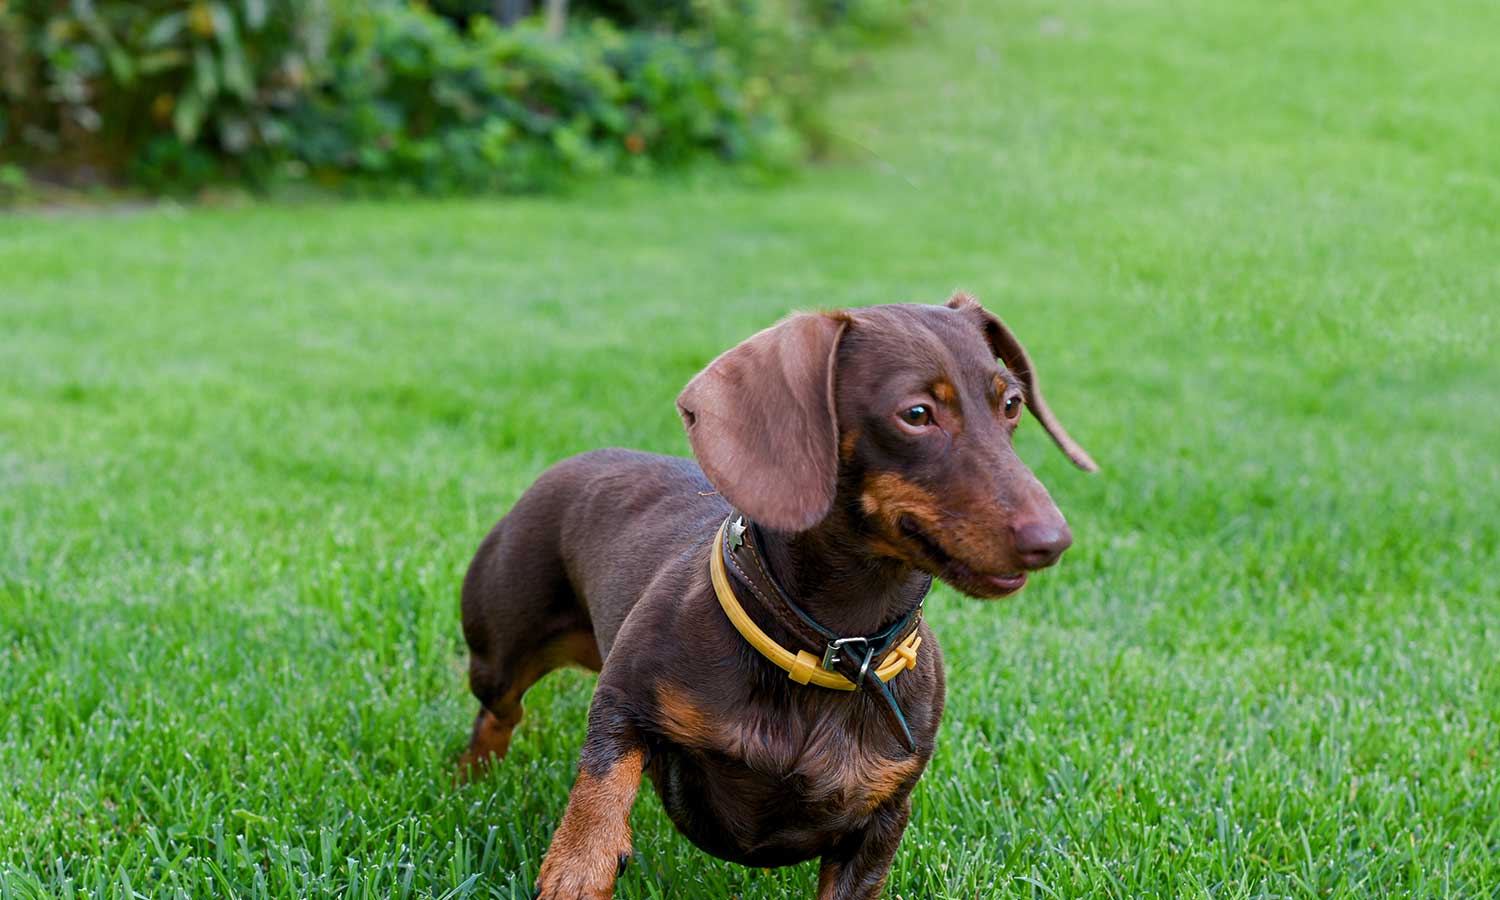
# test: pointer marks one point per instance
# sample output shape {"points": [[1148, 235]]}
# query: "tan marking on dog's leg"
{"points": [[881, 779], [490, 740], [588, 847], [578, 648]]}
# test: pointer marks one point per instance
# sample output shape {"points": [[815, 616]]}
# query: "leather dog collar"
{"points": [[846, 663]]}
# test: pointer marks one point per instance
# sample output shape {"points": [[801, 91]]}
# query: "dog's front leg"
{"points": [[591, 846], [857, 867]]}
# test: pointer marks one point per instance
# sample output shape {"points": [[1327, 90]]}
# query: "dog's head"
{"points": [[900, 418]]}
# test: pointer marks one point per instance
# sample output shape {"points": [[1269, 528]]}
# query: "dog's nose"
{"points": [[1039, 543]]}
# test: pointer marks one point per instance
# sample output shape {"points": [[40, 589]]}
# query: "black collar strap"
{"points": [[850, 656]]}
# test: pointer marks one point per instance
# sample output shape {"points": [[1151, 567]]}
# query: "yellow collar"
{"points": [[802, 667]]}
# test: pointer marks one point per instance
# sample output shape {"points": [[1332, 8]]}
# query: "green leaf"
{"points": [[161, 61], [187, 116], [166, 29], [255, 13], [238, 79], [120, 66], [205, 76], [223, 21]]}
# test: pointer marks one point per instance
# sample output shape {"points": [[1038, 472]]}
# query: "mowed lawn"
{"points": [[246, 454]]}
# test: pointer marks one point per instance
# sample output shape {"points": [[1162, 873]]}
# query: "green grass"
{"points": [[246, 454]]}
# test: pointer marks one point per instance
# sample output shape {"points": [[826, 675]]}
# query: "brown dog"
{"points": [[863, 452]]}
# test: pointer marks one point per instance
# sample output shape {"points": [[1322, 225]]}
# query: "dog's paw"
{"points": [[574, 877]]}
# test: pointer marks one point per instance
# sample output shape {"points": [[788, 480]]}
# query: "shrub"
{"points": [[413, 99], [189, 84], [789, 51], [178, 93]]}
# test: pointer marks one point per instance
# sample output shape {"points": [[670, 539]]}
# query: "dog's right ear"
{"points": [[762, 422], [1007, 348]]}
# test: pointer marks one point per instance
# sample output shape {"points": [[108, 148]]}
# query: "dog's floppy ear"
{"points": [[762, 421], [1008, 350]]}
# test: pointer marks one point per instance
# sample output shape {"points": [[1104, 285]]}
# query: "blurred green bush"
{"points": [[178, 94]]}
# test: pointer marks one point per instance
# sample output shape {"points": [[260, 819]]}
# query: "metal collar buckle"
{"points": [[836, 648]]}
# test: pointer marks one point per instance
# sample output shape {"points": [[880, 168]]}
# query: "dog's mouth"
{"points": [[954, 571]]}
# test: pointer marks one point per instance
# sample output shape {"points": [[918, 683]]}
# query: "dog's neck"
{"points": [[831, 574]]}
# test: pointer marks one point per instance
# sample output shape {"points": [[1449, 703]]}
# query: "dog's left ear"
{"points": [[762, 421], [1008, 350]]}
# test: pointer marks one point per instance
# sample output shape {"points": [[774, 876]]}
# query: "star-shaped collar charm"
{"points": [[736, 536]]}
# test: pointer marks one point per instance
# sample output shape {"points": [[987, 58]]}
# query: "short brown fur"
{"points": [[490, 739], [682, 719], [805, 427], [590, 845], [888, 496], [848, 443]]}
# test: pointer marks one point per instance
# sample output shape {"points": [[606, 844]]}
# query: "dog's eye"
{"points": [[1012, 406], [917, 416]]}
